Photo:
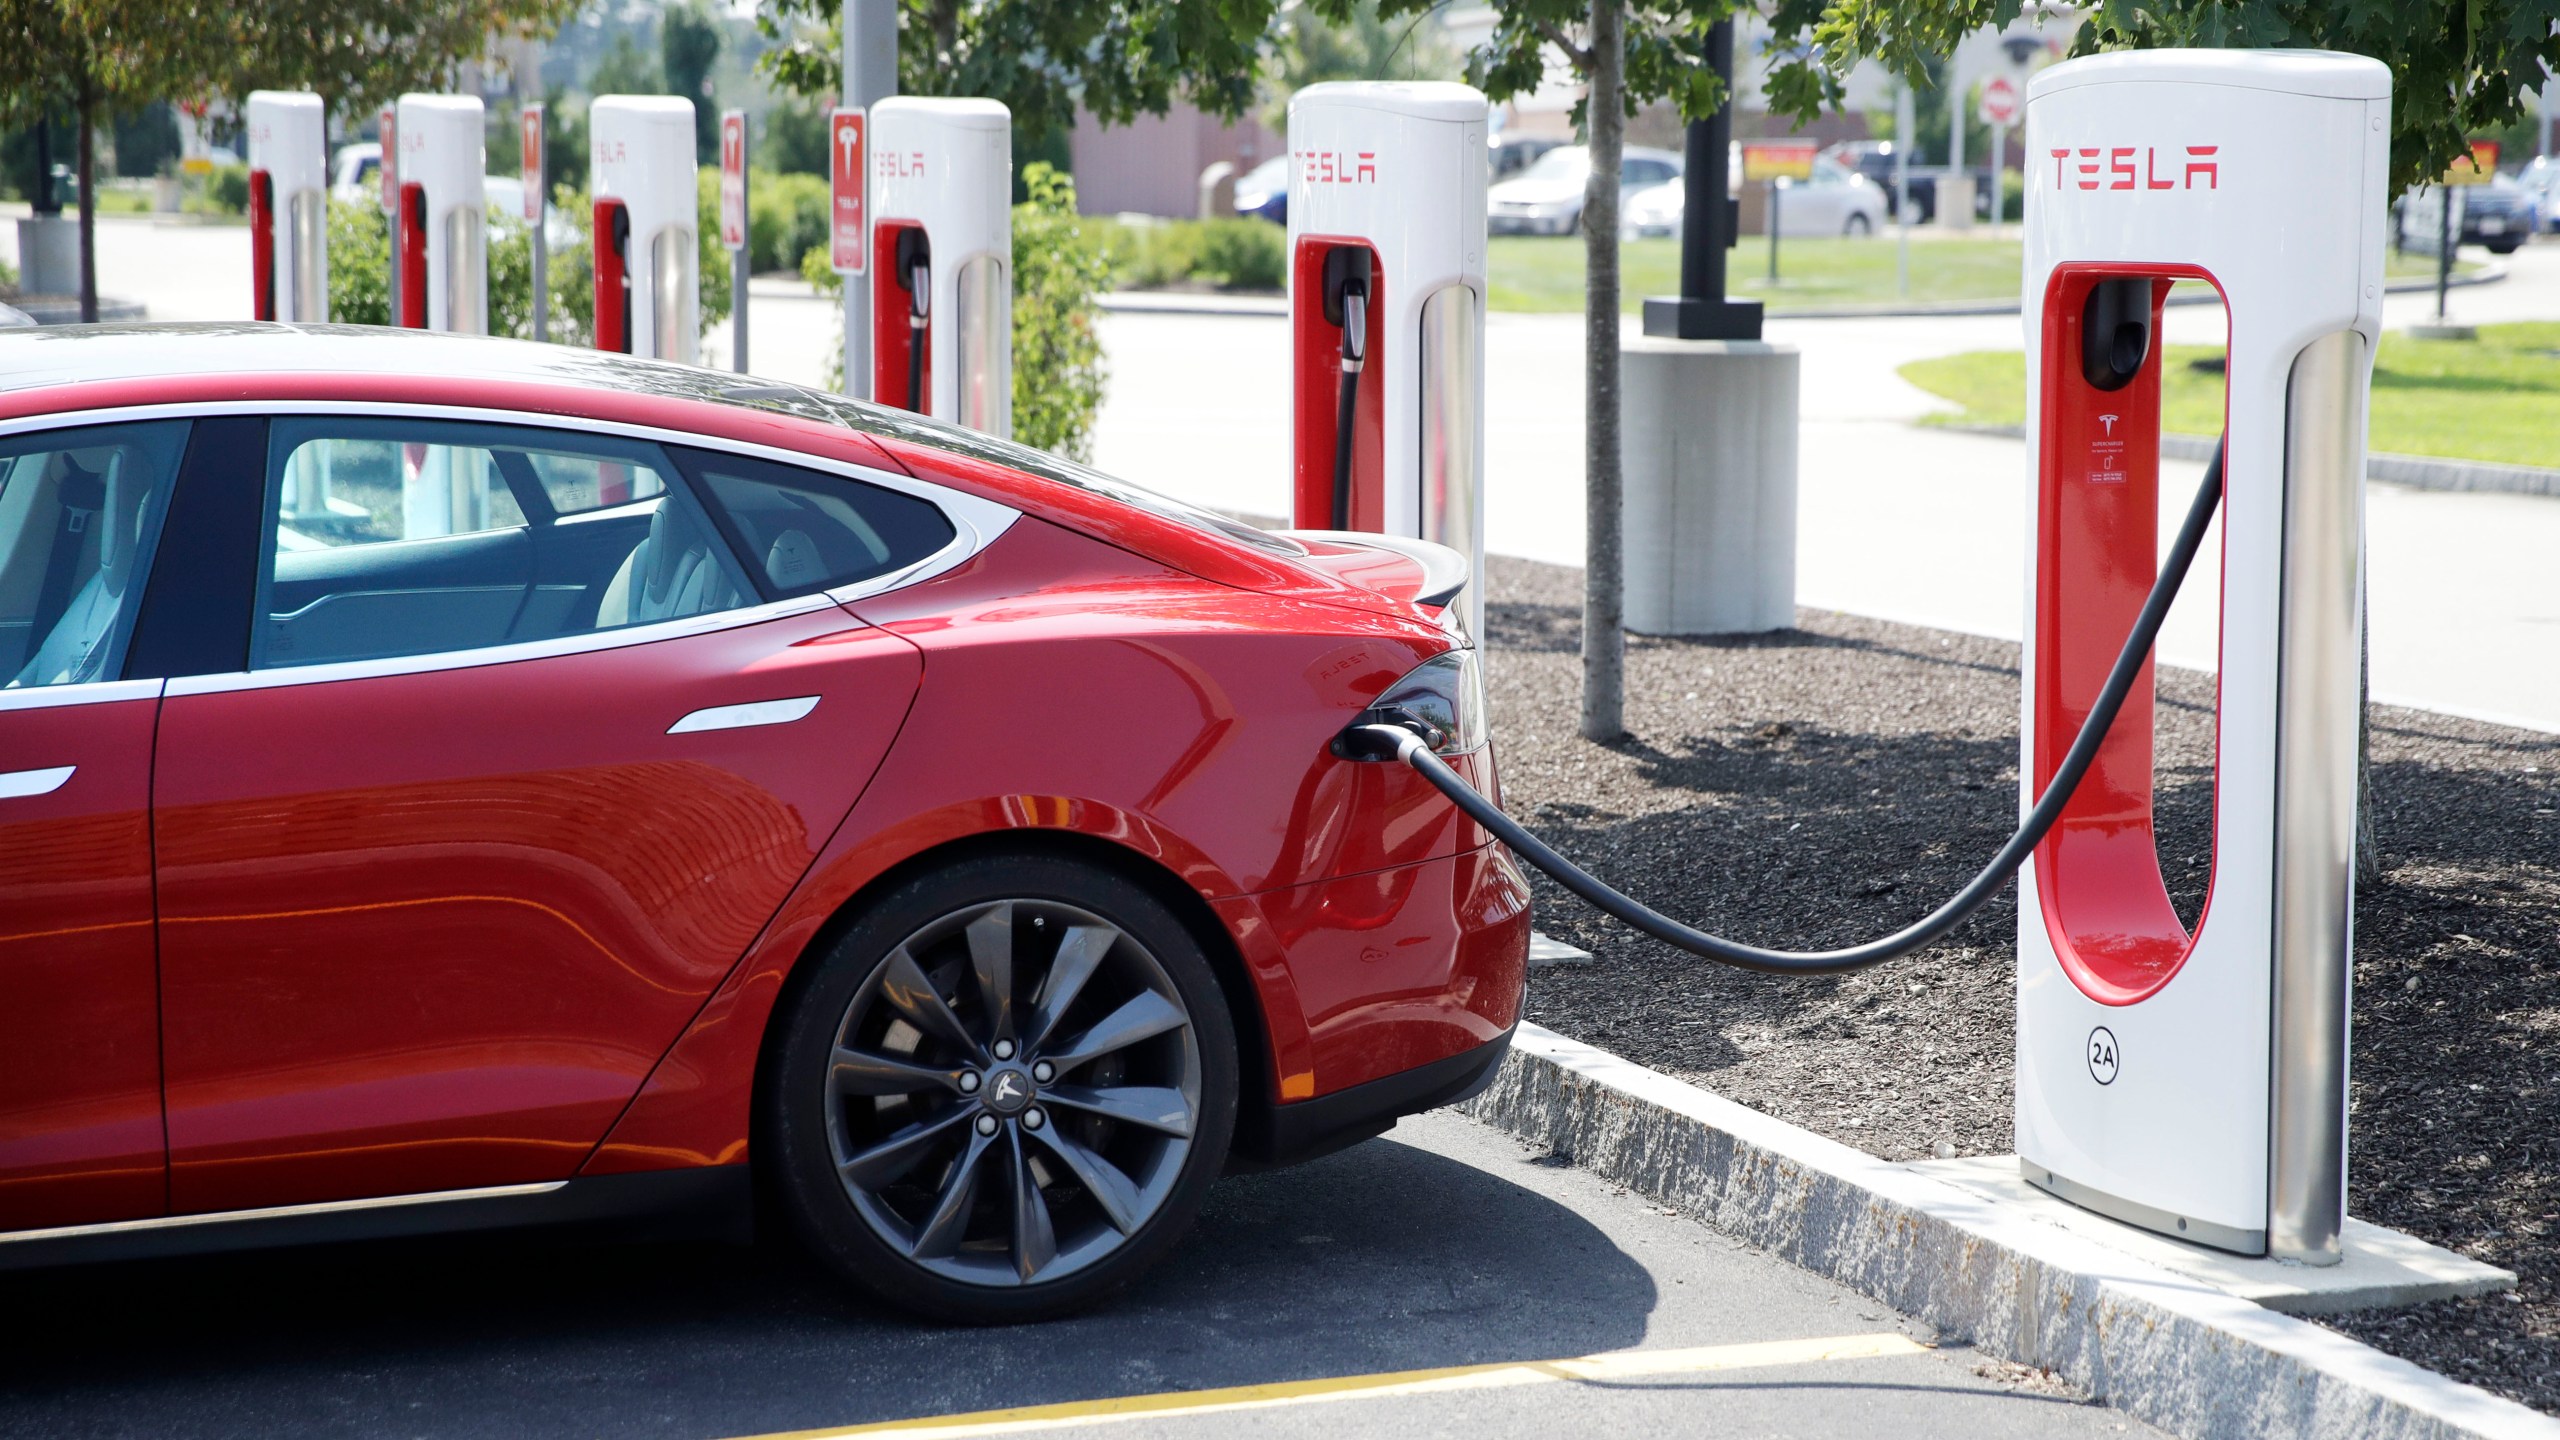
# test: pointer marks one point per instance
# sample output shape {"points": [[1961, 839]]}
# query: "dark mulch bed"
{"points": [[1823, 785]]}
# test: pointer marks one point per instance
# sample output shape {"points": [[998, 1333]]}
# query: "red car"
{"points": [[449, 783]]}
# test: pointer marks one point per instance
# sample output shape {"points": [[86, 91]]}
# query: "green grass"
{"points": [[2492, 399], [1544, 273]]}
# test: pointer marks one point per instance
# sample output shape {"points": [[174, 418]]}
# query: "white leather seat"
{"points": [[668, 575]]}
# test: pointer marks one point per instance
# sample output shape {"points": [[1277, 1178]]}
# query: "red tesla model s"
{"points": [[449, 783]]}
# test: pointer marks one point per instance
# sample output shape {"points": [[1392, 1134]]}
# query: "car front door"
{"points": [[521, 759], [80, 1140]]}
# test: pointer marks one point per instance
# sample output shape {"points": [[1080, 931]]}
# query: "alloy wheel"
{"points": [[1012, 1092]]}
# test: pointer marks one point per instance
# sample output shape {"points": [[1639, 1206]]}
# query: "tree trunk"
{"points": [[88, 202], [1604, 639]]}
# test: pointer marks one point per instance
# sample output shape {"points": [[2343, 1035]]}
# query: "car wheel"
{"points": [[2504, 247], [1858, 225], [1004, 1092]]}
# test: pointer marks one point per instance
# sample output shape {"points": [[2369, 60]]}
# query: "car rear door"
{"points": [[80, 512], [520, 760]]}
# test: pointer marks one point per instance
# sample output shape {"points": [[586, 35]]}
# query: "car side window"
{"points": [[1640, 173], [79, 517], [801, 531], [393, 538]]}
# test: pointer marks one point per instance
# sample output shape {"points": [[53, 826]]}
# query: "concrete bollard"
{"points": [[49, 255], [1709, 432]]}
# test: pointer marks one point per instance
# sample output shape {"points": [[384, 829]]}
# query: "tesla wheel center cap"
{"points": [[1008, 1091]]}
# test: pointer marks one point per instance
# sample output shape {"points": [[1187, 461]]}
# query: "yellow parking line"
{"points": [[1617, 1365]]}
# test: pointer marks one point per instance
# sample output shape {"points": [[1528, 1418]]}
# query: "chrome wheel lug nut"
{"points": [[986, 1124], [969, 1082], [1044, 1072], [1032, 1119], [1004, 1049]]}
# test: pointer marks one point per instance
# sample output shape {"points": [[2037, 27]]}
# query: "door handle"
{"points": [[739, 717], [21, 784]]}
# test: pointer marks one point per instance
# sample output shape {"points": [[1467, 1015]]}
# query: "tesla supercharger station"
{"points": [[647, 260], [444, 238], [1387, 291], [289, 205], [941, 262], [2195, 1083]]}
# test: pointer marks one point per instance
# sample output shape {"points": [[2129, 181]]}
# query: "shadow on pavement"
{"points": [[1384, 1257]]}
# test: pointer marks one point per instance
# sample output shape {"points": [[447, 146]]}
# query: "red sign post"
{"points": [[387, 170], [733, 179], [845, 171], [534, 142]]}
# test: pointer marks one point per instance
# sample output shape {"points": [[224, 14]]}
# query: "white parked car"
{"points": [[355, 175], [1834, 200], [2541, 182], [1546, 198]]}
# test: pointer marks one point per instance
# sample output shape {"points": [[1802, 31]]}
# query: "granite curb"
{"points": [[2162, 1348]]}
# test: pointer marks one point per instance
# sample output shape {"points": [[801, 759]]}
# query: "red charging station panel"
{"points": [[262, 244], [893, 338], [2105, 902], [613, 279], [1316, 352], [413, 255]]}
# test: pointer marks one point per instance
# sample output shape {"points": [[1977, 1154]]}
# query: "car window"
{"points": [[1565, 162], [394, 538], [1644, 172], [79, 517], [799, 531]]}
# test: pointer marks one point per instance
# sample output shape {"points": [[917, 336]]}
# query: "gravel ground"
{"points": [[1822, 785]]}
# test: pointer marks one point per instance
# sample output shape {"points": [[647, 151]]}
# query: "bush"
{"points": [[1242, 254], [1059, 266], [359, 263], [1229, 254], [786, 218], [224, 192]]}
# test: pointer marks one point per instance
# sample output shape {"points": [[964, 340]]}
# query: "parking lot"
{"points": [[1441, 1245]]}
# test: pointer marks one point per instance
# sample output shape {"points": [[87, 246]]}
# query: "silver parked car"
{"points": [[1546, 198]]}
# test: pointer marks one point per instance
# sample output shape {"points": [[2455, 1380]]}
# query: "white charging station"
{"points": [[647, 255], [941, 259], [2195, 1083], [444, 239], [1387, 252], [289, 205]]}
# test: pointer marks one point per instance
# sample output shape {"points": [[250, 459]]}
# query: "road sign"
{"points": [[2476, 167], [845, 173], [733, 179], [529, 125], [1777, 159], [389, 167], [1999, 101]]}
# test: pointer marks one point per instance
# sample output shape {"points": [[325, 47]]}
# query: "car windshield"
{"points": [[1565, 162]]}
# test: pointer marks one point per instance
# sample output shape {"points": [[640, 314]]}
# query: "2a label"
{"points": [[2103, 1056]]}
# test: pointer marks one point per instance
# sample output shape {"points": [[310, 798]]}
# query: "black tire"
{"points": [[1857, 227], [893, 1232]]}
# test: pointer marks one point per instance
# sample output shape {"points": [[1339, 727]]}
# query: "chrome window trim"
{"points": [[976, 523], [96, 692]]}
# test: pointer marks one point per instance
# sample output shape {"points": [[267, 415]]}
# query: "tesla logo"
{"points": [[2108, 423], [1008, 1087], [611, 152], [1338, 167], [890, 165], [2102, 1055], [2112, 167], [849, 141]]}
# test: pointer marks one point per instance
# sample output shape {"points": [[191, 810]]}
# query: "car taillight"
{"points": [[1441, 699]]}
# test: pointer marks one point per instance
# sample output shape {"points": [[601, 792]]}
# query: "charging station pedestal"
{"points": [[941, 202], [2195, 1084], [648, 259], [444, 234], [289, 206], [1387, 249]]}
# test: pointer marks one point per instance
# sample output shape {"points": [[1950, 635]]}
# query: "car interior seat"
{"points": [[668, 575], [90, 560]]}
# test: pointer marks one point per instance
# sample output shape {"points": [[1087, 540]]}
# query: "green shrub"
{"points": [[359, 263], [1059, 267], [786, 217], [224, 192], [1241, 254]]}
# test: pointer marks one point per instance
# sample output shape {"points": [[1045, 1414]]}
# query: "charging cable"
{"points": [[1386, 739], [1355, 353], [919, 307]]}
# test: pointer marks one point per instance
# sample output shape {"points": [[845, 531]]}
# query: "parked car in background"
{"points": [[2541, 182], [353, 171], [1513, 154], [504, 195], [1873, 159], [1262, 193], [2497, 215], [1834, 200], [1546, 198]]}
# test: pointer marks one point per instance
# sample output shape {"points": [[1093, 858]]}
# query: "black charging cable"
{"points": [[1380, 740], [919, 306], [1355, 354]]}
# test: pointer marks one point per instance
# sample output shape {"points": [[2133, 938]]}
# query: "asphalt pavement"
{"points": [[1443, 1245]]}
